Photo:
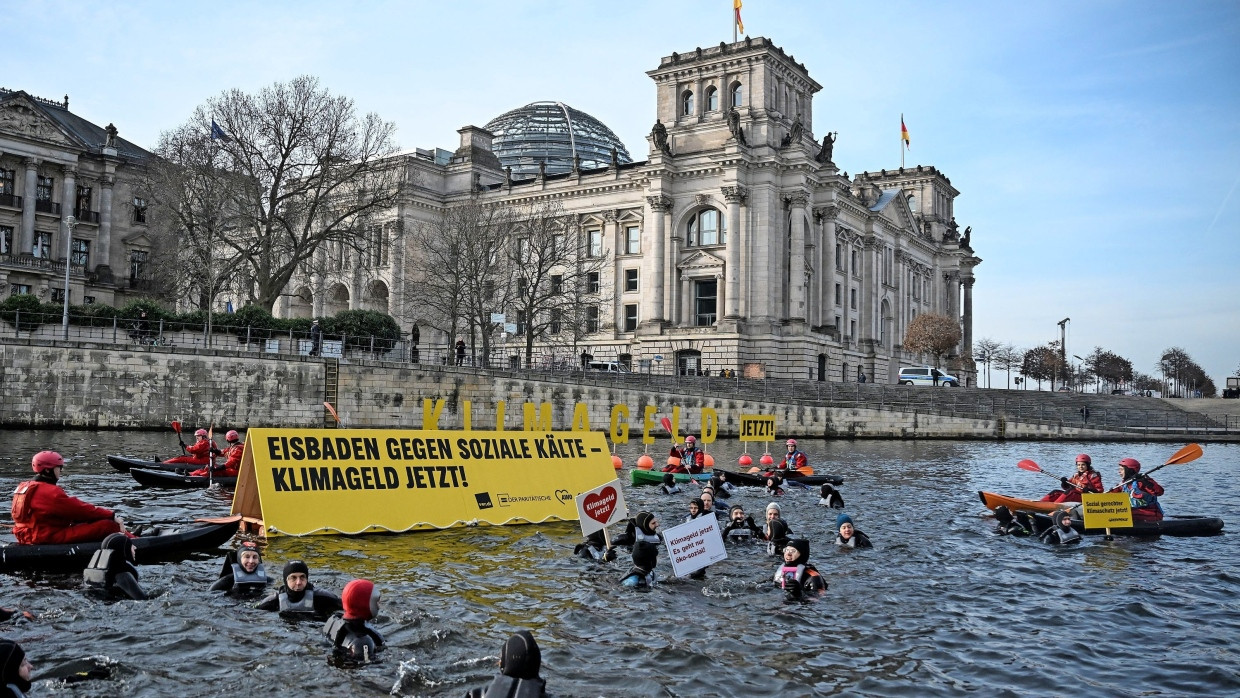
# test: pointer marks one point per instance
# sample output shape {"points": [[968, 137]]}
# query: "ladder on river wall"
{"points": [[331, 385]]}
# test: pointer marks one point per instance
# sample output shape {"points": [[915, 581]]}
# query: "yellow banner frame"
{"points": [[301, 482]]}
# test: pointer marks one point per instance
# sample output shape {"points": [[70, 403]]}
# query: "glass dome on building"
{"points": [[555, 133]]}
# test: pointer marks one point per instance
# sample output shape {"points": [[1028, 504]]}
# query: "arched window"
{"points": [[712, 99], [738, 95], [706, 227], [686, 103]]}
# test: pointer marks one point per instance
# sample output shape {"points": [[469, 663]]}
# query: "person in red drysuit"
{"points": [[232, 458], [197, 453], [43, 513]]}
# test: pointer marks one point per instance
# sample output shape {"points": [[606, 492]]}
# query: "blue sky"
{"points": [[1094, 143]]}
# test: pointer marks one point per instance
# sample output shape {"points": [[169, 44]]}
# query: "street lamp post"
{"points": [[70, 223]]}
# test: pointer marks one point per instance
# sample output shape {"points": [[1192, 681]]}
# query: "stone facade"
{"points": [[54, 167], [753, 252]]}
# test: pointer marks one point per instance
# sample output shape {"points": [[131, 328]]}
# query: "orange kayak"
{"points": [[992, 500]]}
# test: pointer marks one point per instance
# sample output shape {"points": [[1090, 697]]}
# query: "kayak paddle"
{"points": [[667, 424], [332, 410], [176, 426], [1188, 454]]}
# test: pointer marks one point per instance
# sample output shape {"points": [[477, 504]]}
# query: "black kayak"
{"points": [[178, 481], [759, 479], [1181, 526], [124, 463], [57, 557]]}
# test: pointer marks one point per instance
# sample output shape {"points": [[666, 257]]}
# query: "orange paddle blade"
{"points": [[805, 470], [332, 410], [754, 470], [1030, 466], [1187, 454], [176, 426]]}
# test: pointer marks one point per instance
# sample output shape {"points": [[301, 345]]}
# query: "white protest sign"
{"points": [[694, 544], [600, 507]]}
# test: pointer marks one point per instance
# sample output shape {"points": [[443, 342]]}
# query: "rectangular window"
{"points": [[708, 227], [58, 295], [852, 328], [630, 279], [839, 257], [592, 282], [79, 253], [594, 241], [137, 267], [82, 203], [592, 318], [916, 287], [854, 262], [839, 295], [7, 179], [852, 298], [632, 239], [522, 286], [556, 321], [520, 322], [139, 209], [557, 284], [557, 245], [42, 247], [838, 320], [523, 249], [43, 189], [19, 290], [704, 302], [630, 318], [6, 239], [488, 290], [88, 300]]}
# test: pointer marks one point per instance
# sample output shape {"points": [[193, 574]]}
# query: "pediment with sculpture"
{"points": [[22, 119]]}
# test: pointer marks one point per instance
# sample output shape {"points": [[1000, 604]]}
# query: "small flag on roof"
{"points": [[739, 24], [217, 133], [903, 132]]}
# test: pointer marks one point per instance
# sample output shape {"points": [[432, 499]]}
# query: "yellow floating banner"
{"points": [[757, 427], [329, 481], [1110, 510]]}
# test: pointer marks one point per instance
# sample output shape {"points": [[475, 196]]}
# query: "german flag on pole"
{"points": [[739, 24], [903, 128]]}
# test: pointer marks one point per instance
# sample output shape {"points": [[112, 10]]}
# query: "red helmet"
{"points": [[1084, 459], [232, 435], [1132, 464], [792, 442], [46, 460], [200, 432], [690, 439]]}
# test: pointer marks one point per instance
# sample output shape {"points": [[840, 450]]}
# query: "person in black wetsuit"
{"points": [[723, 489], [1009, 525], [670, 486], [353, 638], [595, 548], [298, 596], [112, 569], [849, 536], [519, 663], [15, 670], [242, 573], [795, 575], [740, 526], [645, 557], [828, 496], [1061, 532]]}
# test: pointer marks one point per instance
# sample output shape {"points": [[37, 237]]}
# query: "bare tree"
{"points": [[295, 167], [1006, 358], [985, 350], [933, 334], [553, 268]]}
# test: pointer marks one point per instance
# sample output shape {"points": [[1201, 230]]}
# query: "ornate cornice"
{"points": [[828, 213]]}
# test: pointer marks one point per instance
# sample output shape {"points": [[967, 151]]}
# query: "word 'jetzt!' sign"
{"points": [[757, 427], [306, 481]]}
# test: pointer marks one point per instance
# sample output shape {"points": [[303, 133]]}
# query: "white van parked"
{"points": [[607, 367], [926, 375]]}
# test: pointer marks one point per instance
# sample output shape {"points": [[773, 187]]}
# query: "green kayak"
{"points": [[655, 477]]}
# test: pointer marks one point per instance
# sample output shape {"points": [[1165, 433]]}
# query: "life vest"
{"points": [[790, 460], [1059, 536], [639, 534], [591, 552], [787, 575], [740, 532], [508, 687], [305, 605], [359, 646], [1139, 498], [245, 582], [637, 578], [21, 501], [99, 571], [674, 489]]}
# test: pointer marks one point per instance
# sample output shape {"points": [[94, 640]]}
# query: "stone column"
{"points": [[966, 331], [68, 199], [827, 216], [26, 241], [796, 259], [103, 247], [735, 196], [658, 206], [869, 282]]}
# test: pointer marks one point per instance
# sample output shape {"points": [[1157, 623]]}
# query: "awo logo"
{"points": [[484, 500], [563, 496]]}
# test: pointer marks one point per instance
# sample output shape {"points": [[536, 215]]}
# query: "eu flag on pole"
{"points": [[217, 133]]}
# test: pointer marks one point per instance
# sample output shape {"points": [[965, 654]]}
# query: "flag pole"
{"points": [[901, 140], [734, 23]]}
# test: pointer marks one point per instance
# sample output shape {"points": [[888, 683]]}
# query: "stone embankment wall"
{"points": [[73, 385]]}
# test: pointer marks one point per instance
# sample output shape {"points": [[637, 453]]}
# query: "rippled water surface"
{"points": [[941, 606]]}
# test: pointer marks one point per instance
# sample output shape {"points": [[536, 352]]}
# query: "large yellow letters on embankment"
{"points": [[307, 481]]}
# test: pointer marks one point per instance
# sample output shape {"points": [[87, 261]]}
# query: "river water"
{"points": [[941, 606]]}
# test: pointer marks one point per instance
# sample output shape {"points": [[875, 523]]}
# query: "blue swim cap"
{"points": [[842, 519]]}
